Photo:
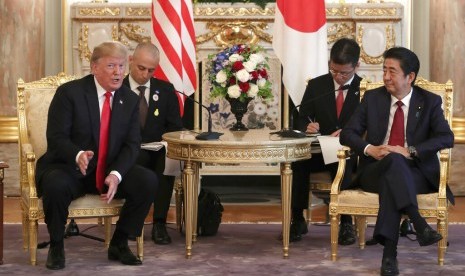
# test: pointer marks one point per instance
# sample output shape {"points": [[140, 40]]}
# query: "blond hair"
{"points": [[111, 48]]}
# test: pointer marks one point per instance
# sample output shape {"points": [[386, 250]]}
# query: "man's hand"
{"points": [[84, 159], [112, 182], [313, 128], [399, 149], [377, 152]]}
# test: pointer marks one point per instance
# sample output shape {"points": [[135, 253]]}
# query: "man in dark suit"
{"points": [[404, 128], [162, 116], [319, 114], [75, 162]]}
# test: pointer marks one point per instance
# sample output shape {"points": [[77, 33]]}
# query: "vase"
{"points": [[238, 108]]}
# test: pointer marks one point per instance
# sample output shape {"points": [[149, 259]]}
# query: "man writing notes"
{"points": [[397, 131], [325, 109], [93, 141], [159, 114]]}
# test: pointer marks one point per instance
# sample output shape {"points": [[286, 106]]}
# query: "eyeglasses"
{"points": [[342, 74]]}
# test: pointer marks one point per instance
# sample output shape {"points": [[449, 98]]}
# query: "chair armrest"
{"points": [[29, 157], [444, 164], [342, 155]]}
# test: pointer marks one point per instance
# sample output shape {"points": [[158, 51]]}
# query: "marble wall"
{"points": [[447, 60], [21, 51]]}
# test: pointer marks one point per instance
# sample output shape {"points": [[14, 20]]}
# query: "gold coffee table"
{"points": [[235, 147]]}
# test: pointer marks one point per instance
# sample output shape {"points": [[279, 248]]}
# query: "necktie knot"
{"points": [[399, 104], [141, 89]]}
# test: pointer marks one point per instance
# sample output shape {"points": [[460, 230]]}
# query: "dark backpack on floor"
{"points": [[210, 212]]}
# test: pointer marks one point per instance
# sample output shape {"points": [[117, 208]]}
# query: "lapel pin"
{"points": [[120, 101], [155, 97], [356, 93], [156, 112]]}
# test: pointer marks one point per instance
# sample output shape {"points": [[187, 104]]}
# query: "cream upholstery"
{"points": [[33, 101], [363, 204]]}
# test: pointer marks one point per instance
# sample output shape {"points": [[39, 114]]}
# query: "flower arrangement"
{"points": [[239, 72]]}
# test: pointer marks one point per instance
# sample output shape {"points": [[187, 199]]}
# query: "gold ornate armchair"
{"points": [[33, 100], [362, 204]]}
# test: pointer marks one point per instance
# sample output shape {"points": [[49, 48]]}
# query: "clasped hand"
{"points": [[379, 152]]}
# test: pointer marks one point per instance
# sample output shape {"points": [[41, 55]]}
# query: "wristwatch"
{"points": [[413, 152]]}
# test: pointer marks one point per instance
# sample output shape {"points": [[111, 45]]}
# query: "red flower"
{"points": [[244, 86], [232, 80], [237, 66], [254, 75], [263, 73]]}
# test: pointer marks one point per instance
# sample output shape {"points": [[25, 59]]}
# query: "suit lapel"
{"points": [[383, 106], [414, 114], [94, 109], [116, 116]]}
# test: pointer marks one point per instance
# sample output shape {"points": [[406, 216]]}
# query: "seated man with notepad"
{"points": [[326, 113]]}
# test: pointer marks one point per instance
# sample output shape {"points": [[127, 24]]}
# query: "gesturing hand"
{"points": [[112, 182], [84, 159]]}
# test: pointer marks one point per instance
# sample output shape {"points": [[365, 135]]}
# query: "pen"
{"points": [[310, 119]]}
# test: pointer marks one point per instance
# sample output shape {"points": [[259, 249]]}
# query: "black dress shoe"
{"points": [[389, 267], [346, 234], [56, 258], [122, 253], [159, 234], [429, 236], [298, 228]]}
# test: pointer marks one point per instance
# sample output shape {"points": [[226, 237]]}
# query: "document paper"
{"points": [[329, 147]]}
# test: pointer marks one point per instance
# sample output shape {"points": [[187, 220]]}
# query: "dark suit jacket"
{"points": [[427, 130], [74, 125], [168, 118], [319, 104]]}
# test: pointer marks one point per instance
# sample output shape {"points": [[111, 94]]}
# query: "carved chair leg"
{"points": [[140, 245], [334, 235], [33, 229], [107, 227], [442, 244], [361, 225]]}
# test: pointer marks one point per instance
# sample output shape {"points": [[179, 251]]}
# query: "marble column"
{"points": [[21, 48]]}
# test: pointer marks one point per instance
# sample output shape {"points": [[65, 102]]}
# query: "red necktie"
{"points": [[103, 142], [143, 106], [396, 138], [339, 101]]}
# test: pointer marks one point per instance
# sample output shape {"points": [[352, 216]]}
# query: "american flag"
{"points": [[173, 27]]}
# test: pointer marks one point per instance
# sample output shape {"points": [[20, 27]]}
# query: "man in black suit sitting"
{"points": [[326, 113], [93, 140], [158, 99]]}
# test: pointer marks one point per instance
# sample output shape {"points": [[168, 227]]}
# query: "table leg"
{"points": [[286, 192], [188, 181], [195, 201]]}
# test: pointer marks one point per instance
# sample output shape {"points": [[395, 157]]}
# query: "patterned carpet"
{"points": [[238, 249]]}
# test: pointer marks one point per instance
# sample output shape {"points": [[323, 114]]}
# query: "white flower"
{"points": [[242, 75], [250, 65], [257, 58], [221, 77], [234, 91], [253, 90], [273, 112], [261, 82], [259, 108], [235, 57]]}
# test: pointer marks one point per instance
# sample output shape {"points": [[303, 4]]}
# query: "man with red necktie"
{"points": [[397, 131], [325, 109], [93, 141]]}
